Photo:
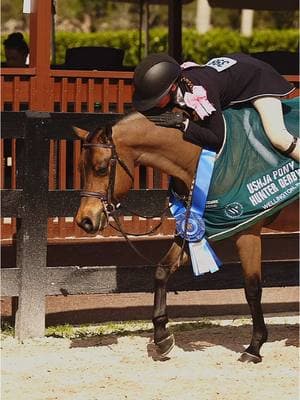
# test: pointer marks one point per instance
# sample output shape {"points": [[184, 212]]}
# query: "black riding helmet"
{"points": [[152, 80]]}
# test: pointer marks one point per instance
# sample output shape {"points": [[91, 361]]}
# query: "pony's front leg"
{"points": [[249, 247], [162, 337]]}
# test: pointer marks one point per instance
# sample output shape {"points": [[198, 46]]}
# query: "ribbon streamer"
{"points": [[192, 228]]}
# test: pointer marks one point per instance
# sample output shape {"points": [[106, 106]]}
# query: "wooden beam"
{"points": [[31, 248], [40, 52], [175, 29], [97, 279]]}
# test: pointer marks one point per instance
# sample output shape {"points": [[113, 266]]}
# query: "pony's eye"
{"points": [[101, 171]]}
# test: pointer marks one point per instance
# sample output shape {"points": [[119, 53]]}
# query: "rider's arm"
{"points": [[201, 136], [208, 133]]}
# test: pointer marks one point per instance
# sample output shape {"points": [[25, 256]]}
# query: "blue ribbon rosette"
{"points": [[191, 227]]}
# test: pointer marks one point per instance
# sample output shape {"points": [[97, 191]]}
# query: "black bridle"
{"points": [[107, 198], [111, 207]]}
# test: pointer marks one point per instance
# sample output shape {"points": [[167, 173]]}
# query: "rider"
{"points": [[204, 91]]}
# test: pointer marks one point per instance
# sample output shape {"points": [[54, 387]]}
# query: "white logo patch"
{"points": [[234, 210], [221, 63]]}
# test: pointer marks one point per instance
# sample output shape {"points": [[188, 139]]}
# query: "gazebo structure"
{"points": [[42, 88]]}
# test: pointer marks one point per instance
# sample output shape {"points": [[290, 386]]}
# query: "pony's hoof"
{"points": [[247, 357], [166, 345]]}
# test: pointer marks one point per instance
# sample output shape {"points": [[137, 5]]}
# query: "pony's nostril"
{"points": [[87, 225]]}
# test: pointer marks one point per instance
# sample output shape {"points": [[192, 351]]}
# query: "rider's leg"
{"points": [[270, 110]]}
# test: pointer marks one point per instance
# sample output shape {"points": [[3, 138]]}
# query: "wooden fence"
{"points": [[31, 203], [76, 92], [32, 200]]}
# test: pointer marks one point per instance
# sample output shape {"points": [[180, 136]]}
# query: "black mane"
{"points": [[104, 136]]}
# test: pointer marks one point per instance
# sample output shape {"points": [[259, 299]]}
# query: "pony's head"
{"points": [[106, 177]]}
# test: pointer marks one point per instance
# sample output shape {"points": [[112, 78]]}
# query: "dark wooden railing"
{"points": [[70, 91]]}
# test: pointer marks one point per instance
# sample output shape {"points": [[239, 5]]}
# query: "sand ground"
{"points": [[203, 365]]}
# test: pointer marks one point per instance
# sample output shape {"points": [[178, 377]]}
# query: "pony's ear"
{"points": [[81, 133]]}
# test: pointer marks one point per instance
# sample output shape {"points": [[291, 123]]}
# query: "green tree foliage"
{"points": [[78, 9], [276, 19], [196, 47], [115, 24], [216, 42], [13, 10]]}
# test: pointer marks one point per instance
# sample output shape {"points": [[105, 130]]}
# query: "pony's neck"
{"points": [[153, 146]]}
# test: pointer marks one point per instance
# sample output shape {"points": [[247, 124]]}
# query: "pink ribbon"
{"points": [[198, 101]]}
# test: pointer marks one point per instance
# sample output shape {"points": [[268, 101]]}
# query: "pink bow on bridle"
{"points": [[198, 101]]}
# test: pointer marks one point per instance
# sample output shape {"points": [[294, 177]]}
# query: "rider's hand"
{"points": [[175, 119], [171, 119]]}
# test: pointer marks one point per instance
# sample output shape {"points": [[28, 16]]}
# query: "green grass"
{"points": [[119, 328], [7, 330], [105, 329], [124, 328]]}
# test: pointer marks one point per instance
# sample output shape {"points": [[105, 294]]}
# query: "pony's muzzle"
{"points": [[87, 225], [92, 225], [91, 221]]}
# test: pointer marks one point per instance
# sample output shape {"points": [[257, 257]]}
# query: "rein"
{"points": [[113, 210], [107, 199]]}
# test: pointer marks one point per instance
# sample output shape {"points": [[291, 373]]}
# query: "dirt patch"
{"points": [[203, 365]]}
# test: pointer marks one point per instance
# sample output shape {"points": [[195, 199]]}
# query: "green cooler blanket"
{"points": [[251, 179]]}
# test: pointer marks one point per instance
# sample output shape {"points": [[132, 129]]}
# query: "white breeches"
{"points": [[270, 111]]}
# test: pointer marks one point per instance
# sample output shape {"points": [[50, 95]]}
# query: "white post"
{"points": [[247, 22], [203, 16]]}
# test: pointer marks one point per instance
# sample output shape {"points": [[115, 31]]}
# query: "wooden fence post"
{"points": [[32, 233]]}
